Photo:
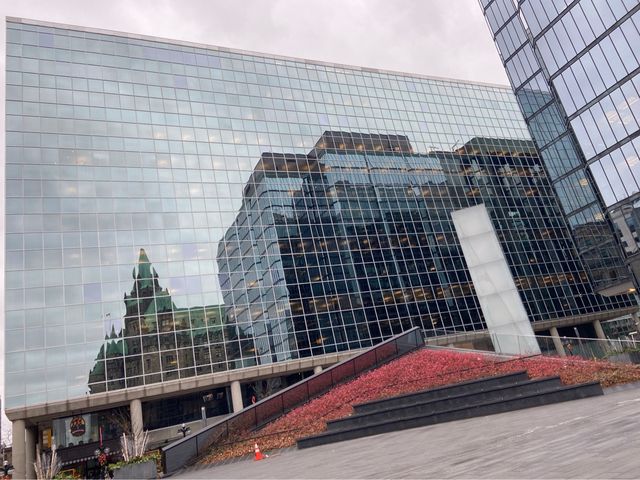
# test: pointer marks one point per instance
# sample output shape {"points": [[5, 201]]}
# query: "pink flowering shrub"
{"points": [[417, 371]]}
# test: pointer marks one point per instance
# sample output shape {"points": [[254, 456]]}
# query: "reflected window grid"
{"points": [[175, 211]]}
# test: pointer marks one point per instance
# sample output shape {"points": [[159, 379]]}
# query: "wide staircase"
{"points": [[475, 398]]}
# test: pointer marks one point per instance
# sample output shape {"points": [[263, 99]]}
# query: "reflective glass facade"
{"points": [[175, 210], [574, 67]]}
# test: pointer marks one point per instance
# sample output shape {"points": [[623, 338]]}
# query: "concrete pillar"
{"points": [[30, 434], [599, 331], [135, 410], [317, 369], [19, 455], [236, 396], [557, 342]]}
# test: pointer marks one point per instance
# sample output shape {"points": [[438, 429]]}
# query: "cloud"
{"points": [[432, 37]]}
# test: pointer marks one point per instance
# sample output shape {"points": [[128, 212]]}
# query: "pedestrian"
{"points": [[569, 347]]}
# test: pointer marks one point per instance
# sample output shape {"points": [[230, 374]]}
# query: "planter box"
{"points": [[144, 471]]}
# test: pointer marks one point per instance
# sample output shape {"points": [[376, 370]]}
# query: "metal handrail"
{"points": [[582, 346], [177, 454]]}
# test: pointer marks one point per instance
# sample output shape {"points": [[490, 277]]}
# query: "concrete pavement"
{"points": [[590, 438]]}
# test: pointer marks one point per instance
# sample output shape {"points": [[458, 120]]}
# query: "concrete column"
{"points": [[236, 396], [19, 455], [135, 410], [599, 331], [30, 434], [317, 369], [557, 342]]}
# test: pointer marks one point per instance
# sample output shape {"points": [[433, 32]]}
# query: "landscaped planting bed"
{"points": [[417, 371]]}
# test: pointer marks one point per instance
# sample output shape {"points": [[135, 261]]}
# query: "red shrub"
{"points": [[417, 371]]}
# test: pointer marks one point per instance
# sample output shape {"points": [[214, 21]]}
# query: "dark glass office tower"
{"points": [[574, 68], [353, 242]]}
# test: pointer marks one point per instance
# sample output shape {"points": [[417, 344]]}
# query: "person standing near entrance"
{"points": [[568, 346]]}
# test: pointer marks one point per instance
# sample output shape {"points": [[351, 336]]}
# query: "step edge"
{"points": [[564, 388], [445, 387], [461, 395], [336, 432]]}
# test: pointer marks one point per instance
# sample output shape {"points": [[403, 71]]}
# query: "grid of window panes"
{"points": [[585, 47], [130, 164], [591, 52], [346, 246]]}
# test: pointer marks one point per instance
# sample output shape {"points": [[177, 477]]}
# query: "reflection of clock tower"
{"points": [[157, 337], [146, 306], [146, 303]]}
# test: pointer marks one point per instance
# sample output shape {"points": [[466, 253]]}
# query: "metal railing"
{"points": [[179, 453], [616, 350]]}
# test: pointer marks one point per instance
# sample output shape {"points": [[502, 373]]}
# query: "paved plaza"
{"points": [[591, 438]]}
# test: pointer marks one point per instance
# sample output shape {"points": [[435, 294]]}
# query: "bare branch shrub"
{"points": [[47, 465], [134, 445]]}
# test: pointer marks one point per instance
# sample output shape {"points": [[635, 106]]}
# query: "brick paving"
{"points": [[590, 438]]}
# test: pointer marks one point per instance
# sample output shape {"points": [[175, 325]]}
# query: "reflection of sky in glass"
{"points": [[594, 74], [116, 144]]}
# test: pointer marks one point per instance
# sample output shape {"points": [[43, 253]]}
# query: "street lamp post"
{"points": [[7, 469], [102, 455], [184, 430]]}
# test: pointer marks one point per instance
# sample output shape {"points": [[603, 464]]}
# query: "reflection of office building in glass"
{"points": [[275, 237], [354, 242], [574, 69]]}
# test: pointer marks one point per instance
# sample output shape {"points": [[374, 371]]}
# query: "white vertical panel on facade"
{"points": [[504, 313]]}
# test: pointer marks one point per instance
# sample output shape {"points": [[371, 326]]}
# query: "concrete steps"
{"points": [[470, 386], [474, 398]]}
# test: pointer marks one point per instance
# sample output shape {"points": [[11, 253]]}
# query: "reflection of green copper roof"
{"points": [[113, 333], [146, 303], [163, 302], [130, 301], [142, 258], [116, 349], [145, 272], [98, 369]]}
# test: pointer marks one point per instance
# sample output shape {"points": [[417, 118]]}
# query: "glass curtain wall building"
{"points": [[177, 210], [574, 68]]}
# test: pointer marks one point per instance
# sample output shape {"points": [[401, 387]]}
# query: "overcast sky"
{"points": [[444, 38], [435, 37]]}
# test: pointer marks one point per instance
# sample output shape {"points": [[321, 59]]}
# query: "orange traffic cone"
{"points": [[258, 455]]}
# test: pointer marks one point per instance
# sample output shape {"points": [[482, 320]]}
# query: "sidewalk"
{"points": [[596, 437]]}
